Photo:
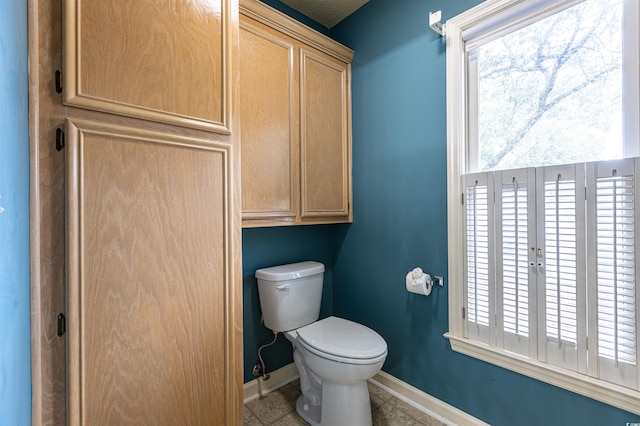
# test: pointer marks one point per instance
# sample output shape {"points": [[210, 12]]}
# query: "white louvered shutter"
{"points": [[515, 279], [479, 275], [561, 266], [613, 267]]}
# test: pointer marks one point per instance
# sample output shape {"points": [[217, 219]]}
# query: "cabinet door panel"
{"points": [[151, 332], [164, 61], [269, 122], [325, 136]]}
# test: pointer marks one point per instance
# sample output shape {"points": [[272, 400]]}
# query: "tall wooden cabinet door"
{"points": [[165, 61], [269, 123], [325, 136], [152, 315]]}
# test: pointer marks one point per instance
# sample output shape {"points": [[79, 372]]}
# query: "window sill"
{"points": [[617, 396]]}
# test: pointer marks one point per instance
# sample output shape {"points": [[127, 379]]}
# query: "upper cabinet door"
{"points": [[165, 61], [325, 135], [268, 116]]}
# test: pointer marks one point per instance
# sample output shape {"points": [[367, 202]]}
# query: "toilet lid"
{"points": [[343, 338]]}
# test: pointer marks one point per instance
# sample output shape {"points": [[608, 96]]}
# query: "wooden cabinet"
{"points": [[162, 61], [142, 204], [150, 308], [295, 113]]}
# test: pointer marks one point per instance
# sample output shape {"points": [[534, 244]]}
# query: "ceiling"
{"points": [[326, 12]]}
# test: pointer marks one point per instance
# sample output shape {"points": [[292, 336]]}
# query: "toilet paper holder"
{"points": [[420, 283]]}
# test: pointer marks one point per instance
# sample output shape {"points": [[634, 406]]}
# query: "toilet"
{"points": [[335, 357]]}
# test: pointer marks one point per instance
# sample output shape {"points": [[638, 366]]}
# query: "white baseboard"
{"points": [[279, 378], [404, 391], [423, 401]]}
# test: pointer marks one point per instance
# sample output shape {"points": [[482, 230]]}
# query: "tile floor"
{"points": [[278, 408]]}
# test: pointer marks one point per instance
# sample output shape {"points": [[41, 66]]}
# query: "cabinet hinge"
{"points": [[462, 198], [59, 139], [464, 313], [62, 324], [58, 81]]}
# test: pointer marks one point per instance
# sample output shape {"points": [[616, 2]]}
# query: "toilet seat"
{"points": [[342, 340]]}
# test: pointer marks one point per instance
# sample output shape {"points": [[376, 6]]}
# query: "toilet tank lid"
{"points": [[290, 271]]}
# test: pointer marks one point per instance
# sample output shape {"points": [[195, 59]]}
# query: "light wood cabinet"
{"points": [[137, 221], [150, 307], [162, 61], [295, 113]]}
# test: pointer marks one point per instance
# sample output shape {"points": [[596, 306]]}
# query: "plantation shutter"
{"points": [[479, 271], [612, 240], [551, 263], [515, 279], [561, 266]]}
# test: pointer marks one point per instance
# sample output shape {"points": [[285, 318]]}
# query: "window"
{"points": [[543, 183]]}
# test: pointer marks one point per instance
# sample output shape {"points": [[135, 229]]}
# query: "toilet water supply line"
{"points": [[260, 369]]}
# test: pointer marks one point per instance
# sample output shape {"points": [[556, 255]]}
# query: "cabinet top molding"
{"points": [[271, 17]]}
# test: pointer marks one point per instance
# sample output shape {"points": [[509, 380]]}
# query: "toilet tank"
{"points": [[290, 295]]}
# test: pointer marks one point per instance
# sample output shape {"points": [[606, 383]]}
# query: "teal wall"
{"points": [[400, 222], [15, 359]]}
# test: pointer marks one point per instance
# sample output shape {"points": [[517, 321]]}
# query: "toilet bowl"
{"points": [[335, 357]]}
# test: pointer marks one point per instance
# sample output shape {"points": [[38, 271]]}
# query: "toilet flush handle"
{"points": [[283, 287]]}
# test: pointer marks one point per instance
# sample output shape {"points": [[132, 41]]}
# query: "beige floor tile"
{"points": [[250, 419], [390, 415], [417, 414], [379, 392], [376, 402], [434, 422], [378, 397], [278, 409], [291, 419], [296, 384], [275, 405]]}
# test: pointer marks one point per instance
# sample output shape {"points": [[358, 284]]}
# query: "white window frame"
{"points": [[458, 156]]}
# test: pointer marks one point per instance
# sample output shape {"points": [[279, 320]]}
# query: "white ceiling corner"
{"points": [[326, 12]]}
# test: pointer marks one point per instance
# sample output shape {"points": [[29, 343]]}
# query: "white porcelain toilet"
{"points": [[335, 357]]}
